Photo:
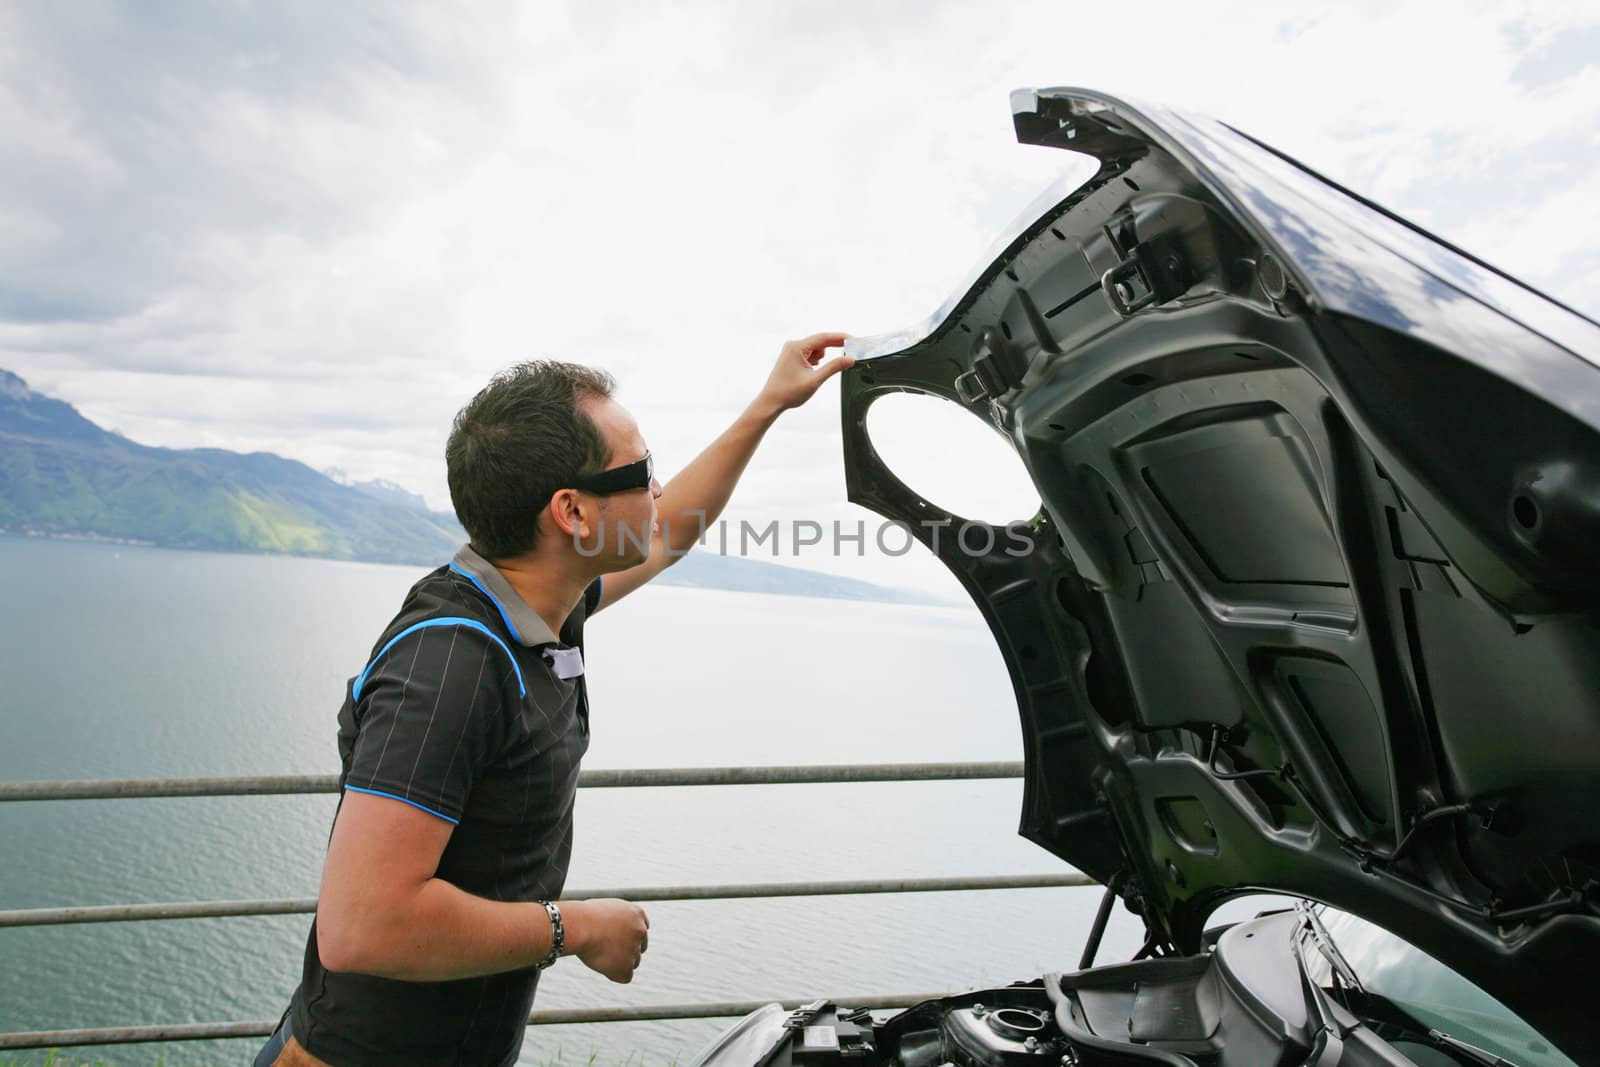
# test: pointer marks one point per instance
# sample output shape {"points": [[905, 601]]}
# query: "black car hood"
{"points": [[1310, 603]]}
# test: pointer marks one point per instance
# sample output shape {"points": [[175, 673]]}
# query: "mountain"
{"points": [[382, 489], [63, 476], [60, 474], [27, 415]]}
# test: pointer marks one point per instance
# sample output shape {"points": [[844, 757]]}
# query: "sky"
{"points": [[317, 229]]}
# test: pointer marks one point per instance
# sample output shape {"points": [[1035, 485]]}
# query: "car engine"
{"points": [[1249, 1000]]}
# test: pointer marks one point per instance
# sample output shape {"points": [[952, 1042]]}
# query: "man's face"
{"points": [[627, 520]]}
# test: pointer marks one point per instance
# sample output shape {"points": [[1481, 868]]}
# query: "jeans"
{"points": [[274, 1045]]}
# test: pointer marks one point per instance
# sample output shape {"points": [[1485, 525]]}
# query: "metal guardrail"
{"points": [[217, 909], [129, 788], [275, 785], [131, 1035]]}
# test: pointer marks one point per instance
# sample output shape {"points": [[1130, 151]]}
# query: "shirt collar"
{"points": [[524, 623]]}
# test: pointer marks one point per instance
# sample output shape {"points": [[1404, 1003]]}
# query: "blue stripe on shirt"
{"points": [[403, 800], [505, 615], [471, 624]]}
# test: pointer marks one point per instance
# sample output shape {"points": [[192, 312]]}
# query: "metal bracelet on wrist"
{"points": [[558, 935]]}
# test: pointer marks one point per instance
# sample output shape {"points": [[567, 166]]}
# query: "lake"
{"points": [[120, 661]]}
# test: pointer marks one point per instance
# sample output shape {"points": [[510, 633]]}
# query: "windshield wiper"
{"points": [[1472, 1052], [1344, 975], [1326, 1050], [1327, 1043]]}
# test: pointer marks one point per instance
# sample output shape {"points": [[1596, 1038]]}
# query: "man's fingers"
{"points": [[834, 366], [823, 340], [813, 348], [788, 386]]}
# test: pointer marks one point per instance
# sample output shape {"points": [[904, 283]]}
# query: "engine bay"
{"points": [[1251, 998]]}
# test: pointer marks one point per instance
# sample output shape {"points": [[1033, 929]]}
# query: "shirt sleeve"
{"points": [[429, 716]]}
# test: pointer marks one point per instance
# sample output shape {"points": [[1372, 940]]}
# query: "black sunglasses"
{"points": [[636, 475]]}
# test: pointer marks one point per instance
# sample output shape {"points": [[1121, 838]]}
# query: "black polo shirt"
{"points": [[470, 709]]}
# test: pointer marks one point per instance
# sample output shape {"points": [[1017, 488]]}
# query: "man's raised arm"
{"points": [[694, 499]]}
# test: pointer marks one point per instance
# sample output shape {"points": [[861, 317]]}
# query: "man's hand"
{"points": [[802, 368], [609, 936], [691, 502]]}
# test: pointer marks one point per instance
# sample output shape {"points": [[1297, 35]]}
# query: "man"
{"points": [[461, 737]]}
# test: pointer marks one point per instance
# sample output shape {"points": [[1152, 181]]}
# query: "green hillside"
{"points": [[61, 475]]}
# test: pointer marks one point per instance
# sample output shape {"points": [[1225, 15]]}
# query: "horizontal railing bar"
{"points": [[117, 913], [621, 778], [128, 1035], [131, 1035], [130, 788], [818, 774], [218, 909]]}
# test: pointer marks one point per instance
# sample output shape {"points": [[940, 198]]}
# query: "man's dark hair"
{"points": [[514, 444]]}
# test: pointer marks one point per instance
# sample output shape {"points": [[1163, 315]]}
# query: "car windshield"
{"points": [[1428, 991]]}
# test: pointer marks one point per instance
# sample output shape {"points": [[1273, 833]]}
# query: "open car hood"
{"points": [[1310, 603]]}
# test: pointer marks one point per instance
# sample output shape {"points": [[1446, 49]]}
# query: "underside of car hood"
{"points": [[1309, 605]]}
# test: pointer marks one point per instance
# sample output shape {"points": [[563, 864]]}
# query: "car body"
{"points": [[1308, 608]]}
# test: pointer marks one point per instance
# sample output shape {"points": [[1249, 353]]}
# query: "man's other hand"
{"points": [[608, 935], [802, 368]]}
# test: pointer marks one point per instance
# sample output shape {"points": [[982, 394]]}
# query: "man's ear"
{"points": [[566, 510]]}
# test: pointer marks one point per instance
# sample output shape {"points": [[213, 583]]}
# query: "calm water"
{"points": [[131, 662]]}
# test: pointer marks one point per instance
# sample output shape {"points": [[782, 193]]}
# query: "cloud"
{"points": [[318, 230]]}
